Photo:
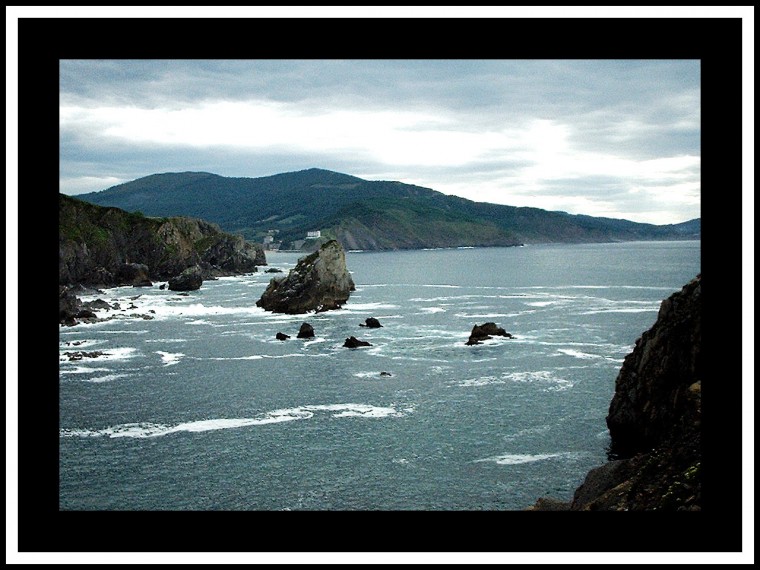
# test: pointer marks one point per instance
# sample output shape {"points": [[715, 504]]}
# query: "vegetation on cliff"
{"points": [[104, 247]]}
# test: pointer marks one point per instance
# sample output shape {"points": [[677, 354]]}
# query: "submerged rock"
{"points": [[319, 282], [281, 336]]}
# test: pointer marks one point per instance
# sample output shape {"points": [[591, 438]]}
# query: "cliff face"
{"points": [[654, 419], [657, 392], [319, 282], [106, 247]]}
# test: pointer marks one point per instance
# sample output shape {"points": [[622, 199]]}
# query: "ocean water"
{"points": [[201, 408]]}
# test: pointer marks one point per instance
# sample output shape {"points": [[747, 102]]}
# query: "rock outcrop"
{"points": [[190, 279], [371, 323], [486, 331], [654, 420], [353, 342], [657, 393], [319, 282], [106, 247], [281, 336], [306, 331]]}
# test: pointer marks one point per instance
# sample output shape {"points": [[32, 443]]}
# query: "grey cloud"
{"points": [[636, 110]]}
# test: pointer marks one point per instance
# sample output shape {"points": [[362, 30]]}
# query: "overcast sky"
{"points": [[614, 138]]}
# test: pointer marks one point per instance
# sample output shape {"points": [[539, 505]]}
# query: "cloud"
{"points": [[488, 130]]}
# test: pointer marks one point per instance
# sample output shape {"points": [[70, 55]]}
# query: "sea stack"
{"points": [[319, 282]]}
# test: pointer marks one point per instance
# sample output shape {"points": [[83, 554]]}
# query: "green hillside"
{"points": [[363, 214]]}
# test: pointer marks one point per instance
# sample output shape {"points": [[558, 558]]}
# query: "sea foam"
{"points": [[148, 429]]}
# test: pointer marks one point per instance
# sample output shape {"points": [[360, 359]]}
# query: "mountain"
{"points": [[363, 214], [103, 247]]}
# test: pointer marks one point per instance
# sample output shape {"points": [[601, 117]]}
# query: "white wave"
{"points": [[109, 354], [200, 310], [431, 310], [169, 358], [486, 315], [367, 374], [354, 307], [106, 378], [517, 459], [147, 429], [166, 340], [545, 379], [539, 376], [78, 369], [541, 303], [577, 353], [540, 430], [560, 287], [620, 310], [118, 331], [482, 381]]}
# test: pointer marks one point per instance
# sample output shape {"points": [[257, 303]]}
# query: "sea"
{"points": [[188, 402]]}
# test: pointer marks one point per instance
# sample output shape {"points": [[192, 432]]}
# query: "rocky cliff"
{"points": [[654, 419], [106, 247], [319, 282]]}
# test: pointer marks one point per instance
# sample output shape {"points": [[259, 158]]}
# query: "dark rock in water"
{"points": [[273, 270], [136, 274], [486, 331], [97, 304], [655, 419], [86, 314], [371, 323], [386, 374], [190, 279], [68, 306], [281, 336], [319, 282], [306, 331], [354, 342], [162, 286], [79, 355]]}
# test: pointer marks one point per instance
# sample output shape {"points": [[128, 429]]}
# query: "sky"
{"points": [[612, 138]]}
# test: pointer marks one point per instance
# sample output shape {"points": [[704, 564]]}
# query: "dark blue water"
{"points": [[202, 408]]}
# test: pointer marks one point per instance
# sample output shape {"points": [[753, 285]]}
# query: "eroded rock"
{"points": [[319, 282]]}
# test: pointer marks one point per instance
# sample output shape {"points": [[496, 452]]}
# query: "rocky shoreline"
{"points": [[654, 421]]}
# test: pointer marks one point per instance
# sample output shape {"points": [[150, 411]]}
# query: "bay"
{"points": [[201, 408]]}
